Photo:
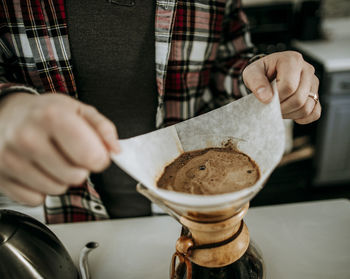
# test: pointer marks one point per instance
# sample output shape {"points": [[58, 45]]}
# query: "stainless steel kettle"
{"points": [[28, 249]]}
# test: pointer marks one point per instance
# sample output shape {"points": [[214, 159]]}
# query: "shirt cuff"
{"points": [[10, 88]]}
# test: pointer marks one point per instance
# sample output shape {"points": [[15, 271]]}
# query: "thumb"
{"points": [[102, 125], [255, 79]]}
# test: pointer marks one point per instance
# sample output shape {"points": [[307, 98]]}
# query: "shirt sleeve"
{"points": [[8, 84], [234, 52]]}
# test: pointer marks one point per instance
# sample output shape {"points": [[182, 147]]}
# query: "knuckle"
{"points": [[289, 87], [92, 109], [298, 101], [310, 68], [303, 113], [7, 160], [103, 163], [96, 160], [77, 177], [106, 127], [297, 56], [307, 110], [26, 138], [249, 72], [248, 69], [49, 113], [317, 81]]}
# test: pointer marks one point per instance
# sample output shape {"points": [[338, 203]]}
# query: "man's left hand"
{"points": [[296, 83]]}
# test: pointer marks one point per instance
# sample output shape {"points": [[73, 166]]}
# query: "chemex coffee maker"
{"points": [[214, 242]]}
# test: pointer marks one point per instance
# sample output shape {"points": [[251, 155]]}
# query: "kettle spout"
{"points": [[83, 259]]}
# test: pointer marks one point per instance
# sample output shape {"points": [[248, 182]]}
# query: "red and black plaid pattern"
{"points": [[81, 203], [36, 39], [201, 49], [208, 44]]}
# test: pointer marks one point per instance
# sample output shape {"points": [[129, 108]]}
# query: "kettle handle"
{"points": [[83, 259]]}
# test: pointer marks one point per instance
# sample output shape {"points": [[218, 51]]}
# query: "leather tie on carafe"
{"points": [[185, 245]]}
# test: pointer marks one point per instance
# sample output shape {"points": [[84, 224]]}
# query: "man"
{"points": [[135, 61]]}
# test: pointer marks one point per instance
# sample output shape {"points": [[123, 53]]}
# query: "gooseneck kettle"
{"points": [[28, 249]]}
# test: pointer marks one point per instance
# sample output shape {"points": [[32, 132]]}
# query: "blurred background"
{"points": [[317, 161]]}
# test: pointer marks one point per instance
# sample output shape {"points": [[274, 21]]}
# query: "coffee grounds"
{"points": [[210, 171]]}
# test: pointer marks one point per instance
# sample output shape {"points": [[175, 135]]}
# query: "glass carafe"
{"points": [[214, 241], [249, 266]]}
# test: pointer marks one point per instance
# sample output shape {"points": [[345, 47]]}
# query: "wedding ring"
{"points": [[314, 97]]}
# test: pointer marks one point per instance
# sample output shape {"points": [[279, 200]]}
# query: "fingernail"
{"points": [[263, 94]]}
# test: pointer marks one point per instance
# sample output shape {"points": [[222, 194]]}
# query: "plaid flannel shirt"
{"points": [[201, 48]]}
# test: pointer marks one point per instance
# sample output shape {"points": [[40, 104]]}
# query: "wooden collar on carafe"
{"points": [[214, 244]]}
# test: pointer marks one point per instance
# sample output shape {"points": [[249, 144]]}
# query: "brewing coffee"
{"points": [[249, 266], [213, 171], [210, 171]]}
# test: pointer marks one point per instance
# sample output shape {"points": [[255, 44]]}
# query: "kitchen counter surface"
{"points": [[334, 51], [333, 54], [302, 240]]}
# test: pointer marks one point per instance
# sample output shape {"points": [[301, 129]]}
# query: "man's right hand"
{"points": [[48, 143]]}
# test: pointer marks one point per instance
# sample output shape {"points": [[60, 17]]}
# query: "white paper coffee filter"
{"points": [[256, 128]]}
